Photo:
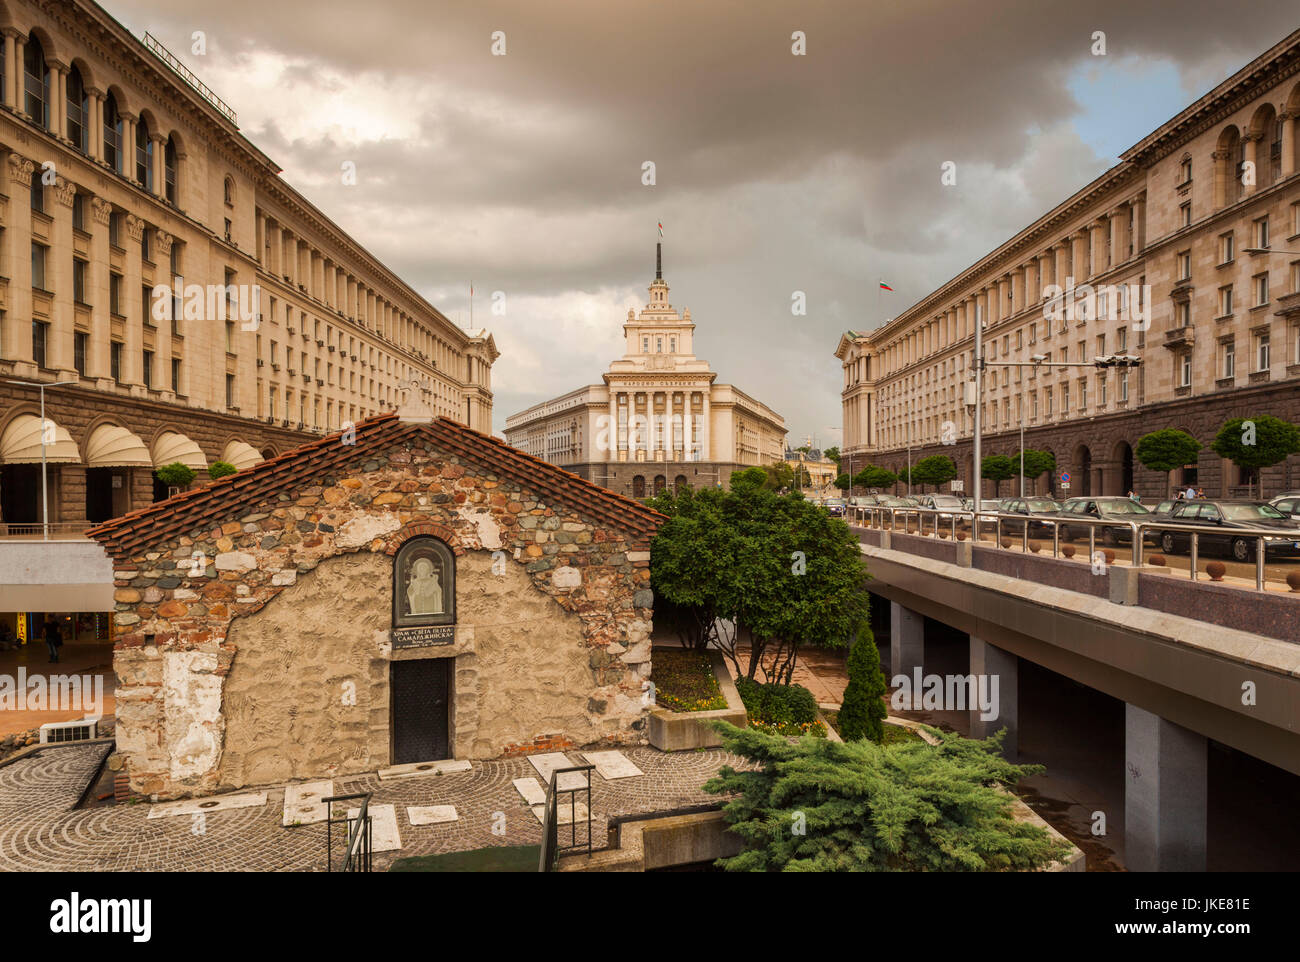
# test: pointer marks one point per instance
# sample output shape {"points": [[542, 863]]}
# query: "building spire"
{"points": [[659, 261]]}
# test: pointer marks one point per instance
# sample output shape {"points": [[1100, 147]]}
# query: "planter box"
{"points": [[675, 731]]}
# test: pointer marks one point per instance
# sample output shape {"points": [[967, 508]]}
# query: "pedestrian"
{"points": [[1133, 496], [1191, 493], [53, 638], [1181, 495], [1200, 492]]}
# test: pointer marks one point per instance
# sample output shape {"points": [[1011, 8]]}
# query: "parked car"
{"points": [[835, 506], [1229, 517], [1101, 509], [941, 502], [1163, 509], [1037, 513], [1288, 504]]}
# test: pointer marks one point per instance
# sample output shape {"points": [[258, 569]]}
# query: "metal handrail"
{"points": [[974, 520], [551, 850], [358, 854]]}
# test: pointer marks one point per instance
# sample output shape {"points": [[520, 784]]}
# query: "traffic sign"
{"points": [[1065, 485], [1065, 477]]}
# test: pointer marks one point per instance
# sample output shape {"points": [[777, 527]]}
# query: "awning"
{"points": [[21, 442], [172, 447], [111, 446], [241, 455]]}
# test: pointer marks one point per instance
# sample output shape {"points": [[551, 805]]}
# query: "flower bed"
{"points": [[788, 710], [684, 681]]}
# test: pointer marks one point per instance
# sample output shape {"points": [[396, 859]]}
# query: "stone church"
{"points": [[409, 591]]}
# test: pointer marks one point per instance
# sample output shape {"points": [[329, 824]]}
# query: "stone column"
{"points": [[1165, 794], [706, 432], [16, 71], [58, 99], [1251, 144], [1097, 262], [98, 362], [18, 244], [1003, 669], [1046, 271], [1061, 263], [162, 357], [1079, 255], [159, 166], [1118, 242], [1288, 142], [95, 123], [128, 145], [13, 71], [133, 342], [58, 351], [906, 640]]}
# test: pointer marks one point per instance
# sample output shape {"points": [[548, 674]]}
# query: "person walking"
{"points": [[1191, 493], [53, 638]]}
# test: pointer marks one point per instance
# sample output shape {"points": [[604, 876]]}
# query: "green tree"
{"points": [[1258, 442], [818, 805], [937, 469], [779, 475], [843, 482], [832, 454], [777, 566], [998, 468], [175, 475], [1166, 450], [1036, 463], [219, 469], [863, 709], [873, 476]]}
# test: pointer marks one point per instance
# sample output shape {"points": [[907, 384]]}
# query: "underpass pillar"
{"points": [[1165, 792], [997, 682], [906, 639]]}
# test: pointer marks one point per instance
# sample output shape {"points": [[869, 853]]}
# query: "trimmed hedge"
{"points": [[777, 704]]}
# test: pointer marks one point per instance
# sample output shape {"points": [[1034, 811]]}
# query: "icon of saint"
{"points": [[424, 591]]}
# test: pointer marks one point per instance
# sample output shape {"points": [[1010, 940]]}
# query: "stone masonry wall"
{"points": [[181, 633]]}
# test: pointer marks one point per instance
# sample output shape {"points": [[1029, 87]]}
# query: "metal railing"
{"points": [[358, 853], [53, 531], [551, 850], [1138, 532]]}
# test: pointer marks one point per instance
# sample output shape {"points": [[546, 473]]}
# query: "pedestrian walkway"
{"points": [[823, 672], [40, 830], [86, 660]]}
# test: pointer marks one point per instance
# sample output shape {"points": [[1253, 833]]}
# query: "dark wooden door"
{"points": [[421, 697]]}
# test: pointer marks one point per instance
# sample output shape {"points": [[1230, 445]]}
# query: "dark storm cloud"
{"points": [[775, 173]]}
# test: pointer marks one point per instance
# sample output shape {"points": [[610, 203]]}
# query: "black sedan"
{"points": [[1229, 518], [1035, 512], [1102, 509]]}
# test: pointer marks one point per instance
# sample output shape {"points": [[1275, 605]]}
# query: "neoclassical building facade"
{"points": [[194, 306], [1185, 254], [658, 420]]}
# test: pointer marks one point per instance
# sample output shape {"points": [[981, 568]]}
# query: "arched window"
{"points": [[424, 584], [230, 192], [638, 487], [78, 111], [36, 83], [112, 134], [680, 483], [169, 170], [143, 155], [660, 483]]}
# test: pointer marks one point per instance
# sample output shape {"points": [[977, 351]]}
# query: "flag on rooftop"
{"points": [[885, 287]]}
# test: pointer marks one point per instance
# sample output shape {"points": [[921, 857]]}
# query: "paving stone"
{"points": [[548, 763], [207, 806], [383, 827], [611, 765], [303, 805], [431, 814], [447, 766]]}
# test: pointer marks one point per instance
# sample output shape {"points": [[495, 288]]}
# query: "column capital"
{"points": [[20, 168], [13, 32], [164, 241], [64, 191], [101, 210], [134, 227]]}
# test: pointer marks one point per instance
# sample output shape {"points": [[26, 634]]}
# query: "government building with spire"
{"points": [[659, 418]]}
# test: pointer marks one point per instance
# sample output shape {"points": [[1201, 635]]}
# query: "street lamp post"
{"points": [[45, 501]]}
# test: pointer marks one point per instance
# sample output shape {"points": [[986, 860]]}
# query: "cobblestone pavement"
{"points": [[40, 830]]}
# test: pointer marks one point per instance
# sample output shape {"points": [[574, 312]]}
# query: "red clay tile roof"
{"points": [[215, 502]]}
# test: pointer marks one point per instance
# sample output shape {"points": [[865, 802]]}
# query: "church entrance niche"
{"points": [[421, 698]]}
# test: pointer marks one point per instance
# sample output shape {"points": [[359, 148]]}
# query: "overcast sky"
{"points": [[775, 173]]}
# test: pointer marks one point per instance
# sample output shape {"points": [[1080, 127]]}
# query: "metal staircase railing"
{"points": [[358, 852], [551, 850]]}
